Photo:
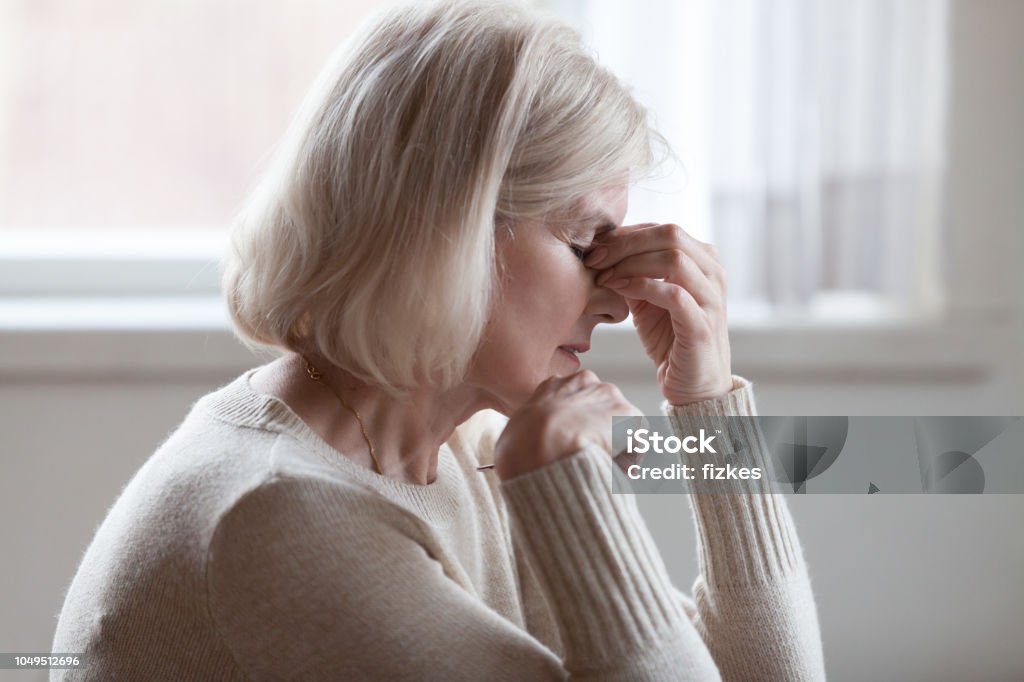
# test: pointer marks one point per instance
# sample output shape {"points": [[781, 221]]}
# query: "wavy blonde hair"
{"points": [[370, 240]]}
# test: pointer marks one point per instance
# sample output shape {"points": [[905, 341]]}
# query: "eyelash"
{"points": [[580, 251]]}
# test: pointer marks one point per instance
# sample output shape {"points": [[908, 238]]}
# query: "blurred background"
{"points": [[859, 163]]}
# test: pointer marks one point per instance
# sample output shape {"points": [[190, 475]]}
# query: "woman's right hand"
{"points": [[562, 416]]}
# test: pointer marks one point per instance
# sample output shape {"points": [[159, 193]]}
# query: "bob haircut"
{"points": [[370, 239]]}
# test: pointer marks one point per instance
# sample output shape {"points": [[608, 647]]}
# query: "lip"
{"points": [[571, 356]]}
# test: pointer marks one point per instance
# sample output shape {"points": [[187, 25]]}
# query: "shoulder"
{"points": [[296, 561], [287, 510], [291, 533]]}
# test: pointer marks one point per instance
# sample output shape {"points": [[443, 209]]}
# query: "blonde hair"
{"points": [[370, 240]]}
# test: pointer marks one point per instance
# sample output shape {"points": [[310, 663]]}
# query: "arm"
{"points": [[753, 599], [304, 584], [617, 612]]}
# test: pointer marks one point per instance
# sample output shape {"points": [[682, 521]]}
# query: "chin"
{"points": [[518, 394], [564, 371], [512, 396], [515, 390]]}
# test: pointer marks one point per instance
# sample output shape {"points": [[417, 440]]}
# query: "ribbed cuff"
{"points": [[594, 556], [747, 536]]}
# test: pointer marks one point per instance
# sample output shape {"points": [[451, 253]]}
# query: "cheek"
{"points": [[544, 294], [520, 349], [524, 333], [544, 309], [510, 363]]}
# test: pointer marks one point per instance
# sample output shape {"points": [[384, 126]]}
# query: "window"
{"points": [[811, 143], [131, 131], [809, 137]]}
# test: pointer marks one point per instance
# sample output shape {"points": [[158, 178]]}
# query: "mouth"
{"points": [[573, 351]]}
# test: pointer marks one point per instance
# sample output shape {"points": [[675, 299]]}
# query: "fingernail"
{"points": [[596, 256], [619, 283]]}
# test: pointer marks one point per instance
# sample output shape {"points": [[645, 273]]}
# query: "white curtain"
{"points": [[810, 135]]}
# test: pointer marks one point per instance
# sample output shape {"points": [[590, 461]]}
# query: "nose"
{"points": [[607, 305]]}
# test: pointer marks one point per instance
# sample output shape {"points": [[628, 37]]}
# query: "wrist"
{"points": [[721, 390]]}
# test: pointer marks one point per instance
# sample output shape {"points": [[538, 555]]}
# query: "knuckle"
{"points": [[675, 233], [613, 391], [679, 234], [678, 297], [631, 410], [718, 273]]}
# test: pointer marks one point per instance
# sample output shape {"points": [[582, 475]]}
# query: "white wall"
{"points": [[929, 586], [908, 587]]}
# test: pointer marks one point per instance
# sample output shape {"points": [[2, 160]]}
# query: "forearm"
{"points": [[756, 609], [602, 575]]}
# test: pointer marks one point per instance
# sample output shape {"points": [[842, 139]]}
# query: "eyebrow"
{"points": [[604, 222]]}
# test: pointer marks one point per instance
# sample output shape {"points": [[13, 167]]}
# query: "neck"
{"points": [[406, 435]]}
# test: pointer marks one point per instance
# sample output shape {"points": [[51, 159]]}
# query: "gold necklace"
{"points": [[315, 375]]}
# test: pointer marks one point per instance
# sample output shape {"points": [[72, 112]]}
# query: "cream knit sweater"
{"points": [[246, 548]]}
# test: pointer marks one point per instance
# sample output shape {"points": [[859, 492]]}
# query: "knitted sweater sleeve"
{"points": [[754, 605], [753, 615]]}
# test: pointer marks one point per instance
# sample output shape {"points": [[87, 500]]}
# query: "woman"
{"points": [[439, 236]]}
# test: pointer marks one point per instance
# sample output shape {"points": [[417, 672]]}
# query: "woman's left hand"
{"points": [[682, 319]]}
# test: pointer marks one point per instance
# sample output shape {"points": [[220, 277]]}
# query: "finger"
{"points": [[585, 377], [556, 385], [574, 383], [580, 377], [677, 301], [673, 266], [618, 244], [609, 246]]}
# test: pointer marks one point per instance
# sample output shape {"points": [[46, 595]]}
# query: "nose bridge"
{"points": [[610, 306]]}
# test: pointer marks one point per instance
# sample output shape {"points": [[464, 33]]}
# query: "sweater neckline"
{"points": [[238, 403]]}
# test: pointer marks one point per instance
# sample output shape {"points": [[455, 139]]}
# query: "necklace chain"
{"points": [[315, 375]]}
